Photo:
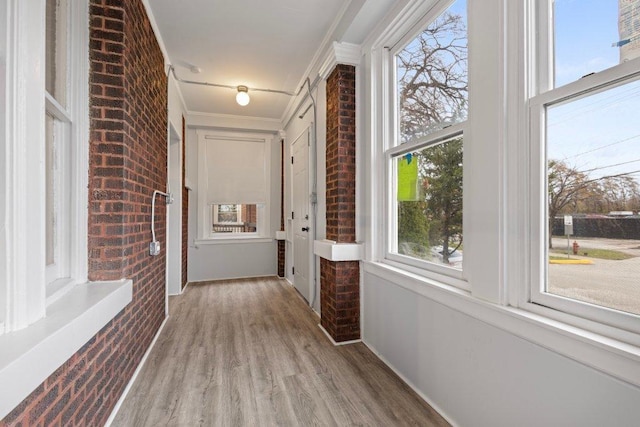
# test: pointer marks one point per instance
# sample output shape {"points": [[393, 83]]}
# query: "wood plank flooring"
{"points": [[250, 353]]}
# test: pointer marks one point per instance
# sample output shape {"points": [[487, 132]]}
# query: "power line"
{"points": [[602, 147], [609, 166]]}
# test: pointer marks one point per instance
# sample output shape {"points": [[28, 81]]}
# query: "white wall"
{"points": [[174, 184], [293, 130], [479, 375], [216, 261], [3, 135]]}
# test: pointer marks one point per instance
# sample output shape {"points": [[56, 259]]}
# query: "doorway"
{"points": [[174, 214]]}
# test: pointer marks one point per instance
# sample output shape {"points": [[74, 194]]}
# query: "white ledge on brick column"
{"points": [[281, 235], [333, 251], [340, 53]]}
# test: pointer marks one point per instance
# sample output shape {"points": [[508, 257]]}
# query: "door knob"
{"points": [[305, 228]]}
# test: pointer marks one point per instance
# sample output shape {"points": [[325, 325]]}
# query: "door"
{"points": [[300, 220]]}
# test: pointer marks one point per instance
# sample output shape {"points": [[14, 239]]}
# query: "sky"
{"points": [[598, 134]]}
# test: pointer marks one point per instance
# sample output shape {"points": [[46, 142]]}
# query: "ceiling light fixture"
{"points": [[242, 97]]}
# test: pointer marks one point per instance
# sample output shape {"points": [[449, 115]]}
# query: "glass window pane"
{"points": [[429, 202], [50, 188], [235, 218], [432, 76], [593, 154], [56, 50], [593, 35]]}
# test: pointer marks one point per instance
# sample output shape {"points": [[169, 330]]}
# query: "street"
{"points": [[613, 284]]}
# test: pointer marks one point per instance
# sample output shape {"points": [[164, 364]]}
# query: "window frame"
{"points": [[27, 293], [205, 234], [393, 148], [501, 81], [607, 321]]}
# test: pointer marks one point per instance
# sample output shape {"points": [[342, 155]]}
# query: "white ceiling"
{"points": [[265, 44]]}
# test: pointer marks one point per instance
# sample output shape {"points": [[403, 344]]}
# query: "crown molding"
{"points": [[340, 53]]}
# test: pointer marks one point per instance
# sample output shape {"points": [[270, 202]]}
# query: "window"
{"points": [[57, 140], [425, 158], [44, 195], [235, 218], [233, 185], [586, 134]]}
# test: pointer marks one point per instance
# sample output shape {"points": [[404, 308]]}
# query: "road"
{"points": [[614, 284]]}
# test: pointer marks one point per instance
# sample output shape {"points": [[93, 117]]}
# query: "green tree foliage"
{"points": [[413, 226], [442, 170]]}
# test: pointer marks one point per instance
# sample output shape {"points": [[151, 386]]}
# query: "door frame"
{"points": [[311, 259]]}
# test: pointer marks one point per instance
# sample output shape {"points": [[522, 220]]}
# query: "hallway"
{"points": [[249, 352]]}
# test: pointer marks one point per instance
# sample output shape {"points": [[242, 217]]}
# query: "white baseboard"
{"points": [[135, 375], [333, 341]]}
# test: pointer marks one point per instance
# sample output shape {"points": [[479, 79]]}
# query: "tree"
{"points": [[432, 94], [573, 191], [432, 78], [442, 169]]}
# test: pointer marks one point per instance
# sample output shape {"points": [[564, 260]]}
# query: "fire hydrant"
{"points": [[576, 246]]}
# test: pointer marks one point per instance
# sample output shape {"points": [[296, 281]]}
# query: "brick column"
{"points": [[281, 243], [340, 280]]}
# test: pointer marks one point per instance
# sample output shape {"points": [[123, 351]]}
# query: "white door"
{"points": [[301, 222]]}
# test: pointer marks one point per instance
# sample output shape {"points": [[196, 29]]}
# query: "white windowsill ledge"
{"points": [[333, 251], [615, 358], [234, 240], [31, 355]]}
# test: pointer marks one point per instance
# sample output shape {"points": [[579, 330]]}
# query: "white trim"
{"points": [[332, 251], [340, 53], [24, 145], [615, 358], [281, 235], [336, 344], [242, 238], [131, 382], [31, 355]]}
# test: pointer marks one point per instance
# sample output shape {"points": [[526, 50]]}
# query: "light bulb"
{"points": [[242, 97]]}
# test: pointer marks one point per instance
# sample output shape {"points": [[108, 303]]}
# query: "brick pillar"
{"points": [[281, 243], [340, 281], [185, 207]]}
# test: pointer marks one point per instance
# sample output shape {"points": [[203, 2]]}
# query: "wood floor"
{"points": [[250, 353]]}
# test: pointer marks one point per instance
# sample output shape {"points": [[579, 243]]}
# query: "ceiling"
{"points": [[257, 43]]}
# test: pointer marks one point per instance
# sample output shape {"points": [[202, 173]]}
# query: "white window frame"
{"points": [[238, 220], [27, 103], [614, 323], [398, 40], [205, 209]]}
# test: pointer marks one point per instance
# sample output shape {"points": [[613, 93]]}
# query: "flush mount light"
{"points": [[242, 97]]}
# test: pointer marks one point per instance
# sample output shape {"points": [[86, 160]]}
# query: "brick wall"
{"points": [[340, 281], [281, 243], [341, 154], [185, 207], [128, 158]]}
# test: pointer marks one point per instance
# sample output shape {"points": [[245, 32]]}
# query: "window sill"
{"points": [[234, 240], [31, 355], [613, 357]]}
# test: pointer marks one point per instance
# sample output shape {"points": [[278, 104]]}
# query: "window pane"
{"points": [[429, 194], [593, 149], [235, 218], [432, 76], [50, 188], [593, 35], [56, 50]]}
